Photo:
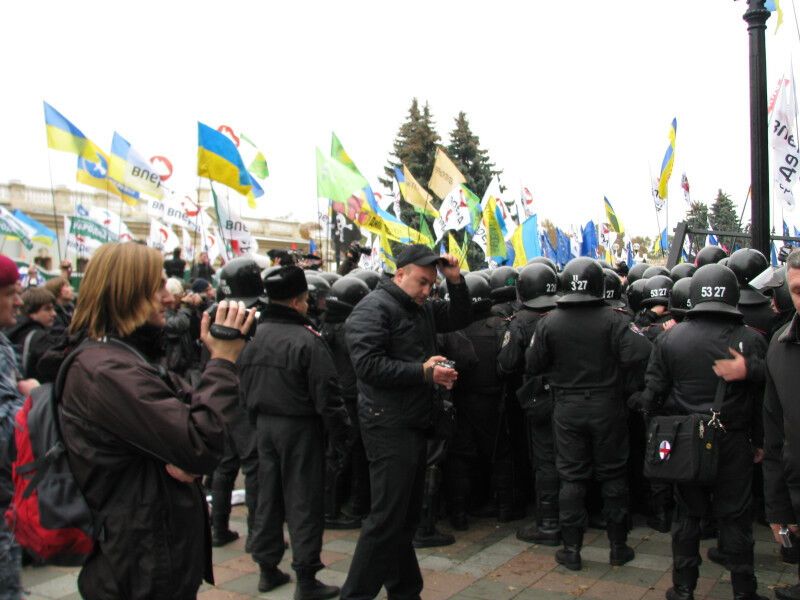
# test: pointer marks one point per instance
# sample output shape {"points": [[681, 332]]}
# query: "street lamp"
{"points": [[756, 16]]}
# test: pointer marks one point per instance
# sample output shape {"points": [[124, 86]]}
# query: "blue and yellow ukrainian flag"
{"points": [[219, 160], [669, 160], [526, 242], [612, 219], [63, 135], [96, 175]]}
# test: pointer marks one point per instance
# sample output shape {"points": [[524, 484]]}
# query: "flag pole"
{"points": [[55, 212]]}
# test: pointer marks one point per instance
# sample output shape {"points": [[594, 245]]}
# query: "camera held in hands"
{"points": [[447, 364], [223, 332]]}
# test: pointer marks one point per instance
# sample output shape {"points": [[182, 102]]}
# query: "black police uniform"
{"points": [[539, 422], [680, 380], [581, 347], [355, 461], [390, 337], [290, 387], [481, 417]]}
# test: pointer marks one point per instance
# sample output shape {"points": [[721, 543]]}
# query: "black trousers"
{"points": [[240, 451], [479, 457], [728, 501], [384, 554], [591, 433], [291, 456], [542, 451]]}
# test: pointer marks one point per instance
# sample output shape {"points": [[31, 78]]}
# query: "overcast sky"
{"points": [[572, 99]]}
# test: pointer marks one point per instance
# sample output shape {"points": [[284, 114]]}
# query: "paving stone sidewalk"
{"points": [[486, 562]]}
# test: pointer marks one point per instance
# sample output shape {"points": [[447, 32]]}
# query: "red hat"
{"points": [[9, 274]]}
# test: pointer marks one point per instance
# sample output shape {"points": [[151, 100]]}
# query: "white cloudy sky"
{"points": [[572, 99]]}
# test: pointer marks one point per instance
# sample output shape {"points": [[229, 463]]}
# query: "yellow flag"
{"points": [[415, 194], [457, 251], [445, 175]]}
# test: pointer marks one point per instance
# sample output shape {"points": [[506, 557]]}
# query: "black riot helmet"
{"points": [[635, 293], [503, 282], [331, 278], [485, 273], [781, 294], [655, 270], [714, 289], [681, 271], [479, 292], [269, 271], [543, 260], [537, 286], [582, 281], [604, 263], [318, 289], [747, 264], [345, 293], [709, 255], [680, 299], [371, 278], [613, 293], [636, 272], [240, 279], [657, 290]]}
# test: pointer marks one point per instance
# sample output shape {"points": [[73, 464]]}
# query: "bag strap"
{"points": [[26, 349]]}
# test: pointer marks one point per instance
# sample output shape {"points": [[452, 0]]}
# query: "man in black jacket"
{"points": [[290, 388], [782, 415], [684, 377], [392, 342]]}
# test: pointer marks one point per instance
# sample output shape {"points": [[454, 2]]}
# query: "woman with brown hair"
{"points": [[136, 437]]}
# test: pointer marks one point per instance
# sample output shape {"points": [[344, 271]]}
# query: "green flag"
{"points": [[258, 162], [338, 154], [336, 181], [425, 229]]}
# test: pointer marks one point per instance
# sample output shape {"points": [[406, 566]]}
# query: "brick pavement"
{"points": [[486, 562]]}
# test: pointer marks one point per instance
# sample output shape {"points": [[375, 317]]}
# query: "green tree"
{"points": [[697, 218], [724, 217], [469, 157], [414, 145]]}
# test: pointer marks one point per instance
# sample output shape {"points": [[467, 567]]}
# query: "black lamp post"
{"points": [[756, 16]]}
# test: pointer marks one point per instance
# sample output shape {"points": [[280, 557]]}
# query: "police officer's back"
{"points": [[582, 347], [756, 309], [682, 378]]}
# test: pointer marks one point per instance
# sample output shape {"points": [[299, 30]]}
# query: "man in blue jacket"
{"points": [[391, 335]]}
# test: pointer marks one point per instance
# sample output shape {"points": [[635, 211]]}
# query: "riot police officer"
{"points": [[480, 413], [318, 288], [747, 264], [240, 280], [582, 347], [656, 304], [709, 255], [344, 295], [537, 286], [683, 377]]}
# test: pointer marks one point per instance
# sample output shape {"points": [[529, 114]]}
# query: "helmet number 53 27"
{"points": [[717, 291]]}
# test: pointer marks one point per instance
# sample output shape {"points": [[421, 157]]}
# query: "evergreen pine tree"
{"points": [[697, 218], [469, 157], [724, 218]]}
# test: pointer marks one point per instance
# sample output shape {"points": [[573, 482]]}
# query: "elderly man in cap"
{"points": [[391, 335], [290, 388]]}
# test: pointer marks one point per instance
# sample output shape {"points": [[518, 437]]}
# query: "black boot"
{"points": [[570, 554], [620, 552], [458, 520], [544, 532], [310, 588], [683, 583], [661, 521], [220, 537], [427, 536], [744, 587], [342, 521], [270, 578], [508, 513]]}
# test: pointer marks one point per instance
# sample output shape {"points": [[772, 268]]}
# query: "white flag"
{"points": [[188, 245], [783, 135], [454, 213], [175, 209], [162, 237]]}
